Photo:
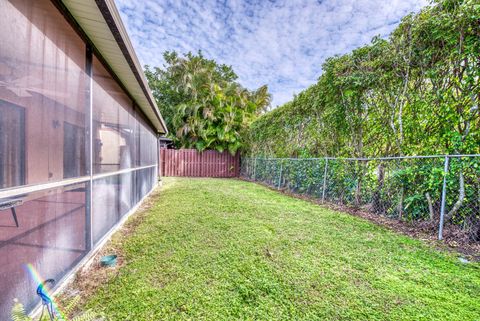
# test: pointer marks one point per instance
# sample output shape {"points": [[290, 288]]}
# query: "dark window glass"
{"points": [[73, 150], [12, 145]]}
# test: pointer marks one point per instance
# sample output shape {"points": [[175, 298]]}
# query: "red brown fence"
{"points": [[192, 163]]}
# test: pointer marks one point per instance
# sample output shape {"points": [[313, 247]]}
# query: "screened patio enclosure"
{"points": [[78, 138]]}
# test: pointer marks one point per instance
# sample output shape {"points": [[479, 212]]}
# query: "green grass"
{"points": [[214, 249]]}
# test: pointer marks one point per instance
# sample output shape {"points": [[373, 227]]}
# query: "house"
{"points": [[79, 135], [166, 142]]}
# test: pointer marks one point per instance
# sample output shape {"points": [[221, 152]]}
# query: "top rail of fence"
{"points": [[368, 159]]}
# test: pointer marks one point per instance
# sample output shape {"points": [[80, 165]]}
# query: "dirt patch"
{"points": [[454, 238]]}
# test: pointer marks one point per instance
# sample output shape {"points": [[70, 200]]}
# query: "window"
{"points": [[12, 145], [73, 150]]}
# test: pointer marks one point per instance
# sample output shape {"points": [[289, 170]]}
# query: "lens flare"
{"points": [[44, 292]]}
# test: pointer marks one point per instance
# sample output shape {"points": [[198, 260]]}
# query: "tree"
{"points": [[203, 105]]}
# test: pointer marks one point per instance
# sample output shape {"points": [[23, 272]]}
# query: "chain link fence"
{"points": [[432, 191]]}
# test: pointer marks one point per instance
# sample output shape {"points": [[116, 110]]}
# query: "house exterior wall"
{"points": [[76, 155]]}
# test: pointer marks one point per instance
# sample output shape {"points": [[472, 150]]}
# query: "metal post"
{"points": [[444, 196], [280, 178], [159, 163], [89, 147], [254, 168], [324, 180]]}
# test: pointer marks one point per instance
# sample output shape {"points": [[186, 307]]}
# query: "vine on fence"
{"points": [[409, 189], [416, 93]]}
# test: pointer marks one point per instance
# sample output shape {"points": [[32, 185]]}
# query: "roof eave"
{"points": [[97, 16]]}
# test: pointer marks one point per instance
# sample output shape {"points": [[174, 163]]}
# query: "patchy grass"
{"points": [[215, 249]]}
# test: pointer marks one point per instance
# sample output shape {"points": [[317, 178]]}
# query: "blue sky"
{"points": [[279, 43]]}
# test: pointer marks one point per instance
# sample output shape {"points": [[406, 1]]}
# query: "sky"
{"points": [[279, 43]]}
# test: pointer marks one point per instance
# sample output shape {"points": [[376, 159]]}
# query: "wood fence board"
{"points": [[192, 163]]}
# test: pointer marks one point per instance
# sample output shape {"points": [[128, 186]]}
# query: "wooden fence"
{"points": [[192, 163]]}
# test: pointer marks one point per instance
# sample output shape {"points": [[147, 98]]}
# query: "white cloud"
{"points": [[279, 43]]}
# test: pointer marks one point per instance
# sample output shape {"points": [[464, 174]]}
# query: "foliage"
{"points": [[415, 93], [218, 249], [203, 105], [19, 313], [408, 189]]}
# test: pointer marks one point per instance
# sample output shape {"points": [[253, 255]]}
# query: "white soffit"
{"points": [[101, 22]]}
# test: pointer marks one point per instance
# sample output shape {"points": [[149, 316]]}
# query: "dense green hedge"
{"points": [[415, 93]]}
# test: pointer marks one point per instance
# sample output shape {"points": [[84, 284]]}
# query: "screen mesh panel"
{"points": [[44, 122]]}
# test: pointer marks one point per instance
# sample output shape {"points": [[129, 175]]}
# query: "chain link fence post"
{"points": [[280, 178], [254, 167], [358, 186], [324, 180], [444, 196]]}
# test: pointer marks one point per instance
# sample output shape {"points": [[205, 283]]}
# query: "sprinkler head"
{"points": [[109, 260]]}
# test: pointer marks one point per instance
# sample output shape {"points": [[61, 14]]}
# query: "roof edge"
{"points": [[112, 16]]}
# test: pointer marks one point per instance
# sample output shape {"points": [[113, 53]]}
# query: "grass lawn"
{"points": [[218, 249]]}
